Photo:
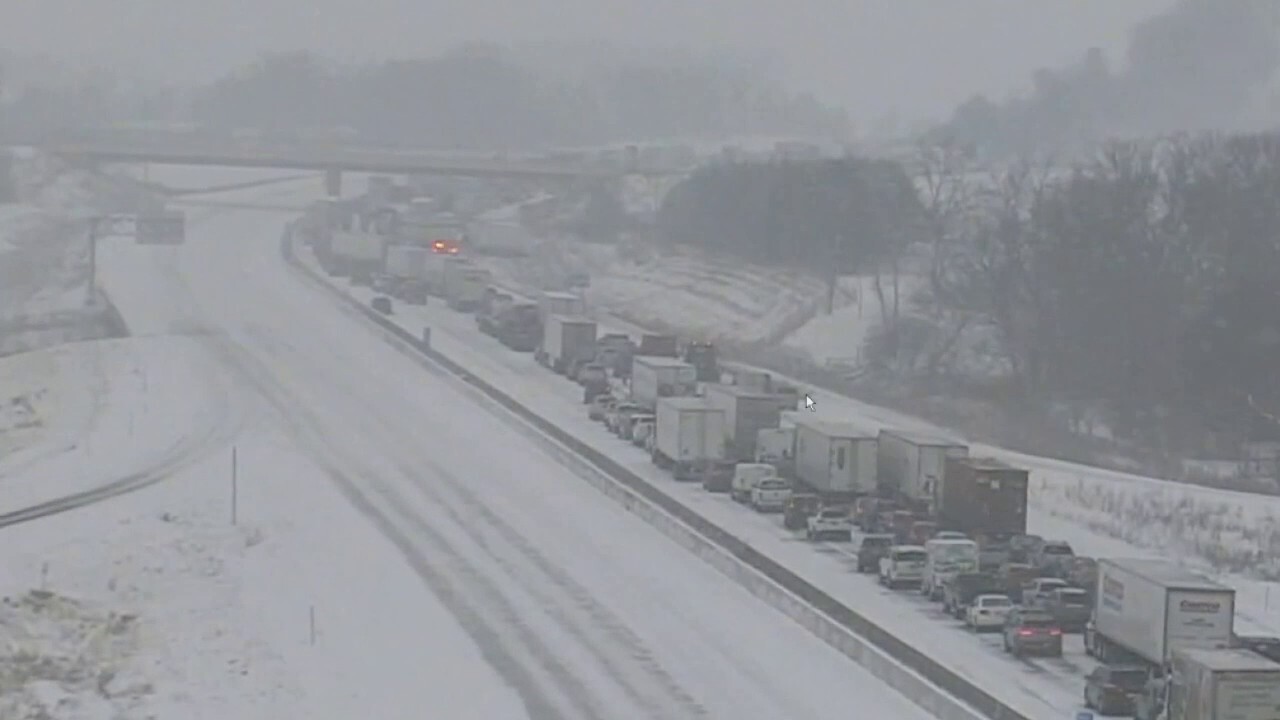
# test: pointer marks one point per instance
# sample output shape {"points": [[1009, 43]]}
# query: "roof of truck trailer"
{"points": [[659, 361], [555, 295], [835, 428], [582, 319], [742, 392], [688, 403], [1230, 659], [987, 463], [919, 438], [1166, 573]]}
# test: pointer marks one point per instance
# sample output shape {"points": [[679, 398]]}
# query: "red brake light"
{"points": [[1024, 632], [1055, 631]]}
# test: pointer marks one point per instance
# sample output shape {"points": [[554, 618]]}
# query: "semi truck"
{"points": [[519, 327], [1230, 684], [567, 341], [439, 267], [911, 465], [835, 459], [688, 437], [981, 497], [406, 269], [465, 284], [658, 377], [1146, 609], [356, 254], [746, 413]]}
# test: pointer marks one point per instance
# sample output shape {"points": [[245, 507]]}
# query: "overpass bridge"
{"points": [[329, 158]]}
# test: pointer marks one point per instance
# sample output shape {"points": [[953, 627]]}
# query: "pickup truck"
{"points": [[830, 523], [1070, 607], [770, 495], [1036, 592]]}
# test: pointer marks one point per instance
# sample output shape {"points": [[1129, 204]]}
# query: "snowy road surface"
{"points": [[581, 608]]}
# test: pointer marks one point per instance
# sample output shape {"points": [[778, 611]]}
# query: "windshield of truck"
{"points": [[1057, 550], [909, 556], [772, 485]]}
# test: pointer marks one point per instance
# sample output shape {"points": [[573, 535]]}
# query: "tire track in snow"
{"points": [[544, 685]]}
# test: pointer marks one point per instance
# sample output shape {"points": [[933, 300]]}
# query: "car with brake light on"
{"points": [[770, 495], [1032, 632], [1114, 690], [988, 612], [830, 523], [903, 566]]}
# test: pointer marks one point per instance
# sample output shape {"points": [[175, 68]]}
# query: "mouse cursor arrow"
{"points": [[810, 404]]}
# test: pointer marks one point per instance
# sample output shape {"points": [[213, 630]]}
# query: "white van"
{"points": [[946, 558], [902, 565], [746, 476]]}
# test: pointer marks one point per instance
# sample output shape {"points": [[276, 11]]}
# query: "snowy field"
{"points": [[445, 581]]}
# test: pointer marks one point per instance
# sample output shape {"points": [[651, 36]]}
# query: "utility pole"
{"points": [[90, 296]]}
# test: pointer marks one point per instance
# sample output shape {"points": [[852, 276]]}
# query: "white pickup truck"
{"points": [[830, 524], [770, 495]]}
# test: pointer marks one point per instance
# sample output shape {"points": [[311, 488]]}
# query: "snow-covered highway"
{"points": [[564, 597]]}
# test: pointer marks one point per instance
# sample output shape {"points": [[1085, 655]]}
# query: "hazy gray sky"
{"points": [[918, 56]]}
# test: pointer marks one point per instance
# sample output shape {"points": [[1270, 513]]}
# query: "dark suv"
{"points": [[959, 591], [872, 548]]}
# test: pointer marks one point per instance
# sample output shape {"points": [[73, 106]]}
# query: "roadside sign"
{"points": [[168, 228]]}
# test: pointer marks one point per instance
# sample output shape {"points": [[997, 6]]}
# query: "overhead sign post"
{"points": [[166, 228]]}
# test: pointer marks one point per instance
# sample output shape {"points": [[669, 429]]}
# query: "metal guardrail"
{"points": [[847, 617]]}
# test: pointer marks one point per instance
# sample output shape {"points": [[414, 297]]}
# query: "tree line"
{"points": [[479, 97], [1141, 287]]}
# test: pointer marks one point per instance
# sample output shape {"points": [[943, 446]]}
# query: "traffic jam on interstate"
{"points": [[917, 514]]}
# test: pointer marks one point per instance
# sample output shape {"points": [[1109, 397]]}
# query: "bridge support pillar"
{"points": [[333, 182]]}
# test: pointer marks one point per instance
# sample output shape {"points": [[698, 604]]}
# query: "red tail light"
{"points": [[1026, 633], [1055, 631]]}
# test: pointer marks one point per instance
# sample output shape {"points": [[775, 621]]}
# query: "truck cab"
{"points": [[944, 559]]}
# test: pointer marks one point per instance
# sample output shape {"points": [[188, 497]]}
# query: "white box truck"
{"points": [[659, 377], [465, 285], [1232, 684], [357, 254], [835, 458], [405, 268], [560, 303], [746, 413], [688, 437], [439, 267], [1146, 609], [911, 465], [567, 340]]}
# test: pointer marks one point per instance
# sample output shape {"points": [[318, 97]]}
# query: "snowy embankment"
{"points": [[682, 292]]}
